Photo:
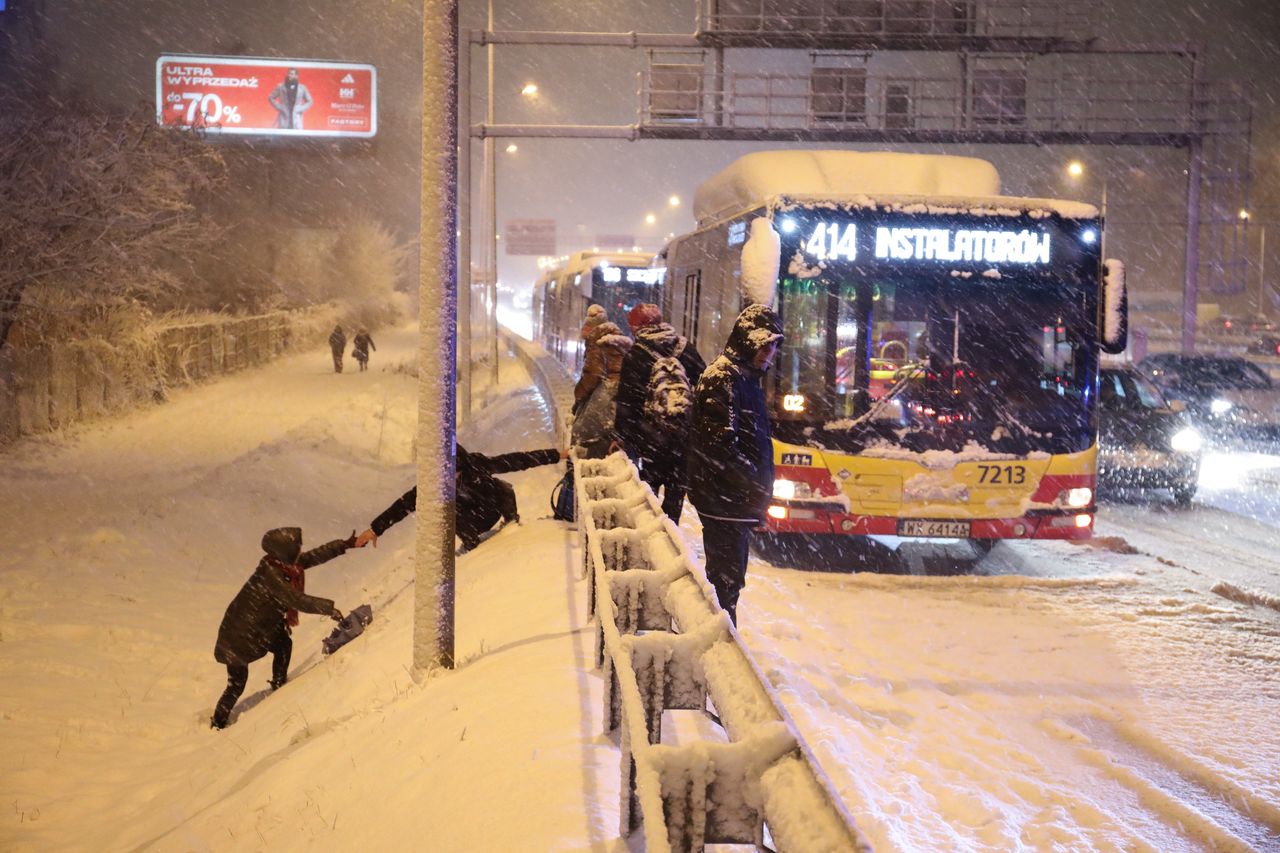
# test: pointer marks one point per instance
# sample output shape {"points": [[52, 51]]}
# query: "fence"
{"points": [[665, 644], [46, 386]]}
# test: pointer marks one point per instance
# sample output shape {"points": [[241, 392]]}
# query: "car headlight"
{"points": [[1221, 407], [1186, 440], [1075, 497]]}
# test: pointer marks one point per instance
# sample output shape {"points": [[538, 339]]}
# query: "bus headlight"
{"points": [[1221, 407], [786, 490], [1186, 440], [1075, 497]]}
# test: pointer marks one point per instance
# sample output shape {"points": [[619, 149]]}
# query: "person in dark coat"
{"points": [[360, 347], [337, 343], [482, 500], [659, 456], [593, 410], [260, 617], [731, 450]]}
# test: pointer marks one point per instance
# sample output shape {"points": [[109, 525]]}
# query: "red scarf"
{"points": [[297, 578]]}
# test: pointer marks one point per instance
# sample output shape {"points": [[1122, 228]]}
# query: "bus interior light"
{"points": [[778, 512], [1089, 236], [788, 225]]}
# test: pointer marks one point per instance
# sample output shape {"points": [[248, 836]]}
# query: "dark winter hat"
{"points": [[283, 543], [644, 314], [756, 327]]}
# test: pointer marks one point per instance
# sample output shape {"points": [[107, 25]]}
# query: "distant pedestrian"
{"points": [[360, 349], [655, 403], [593, 396], [260, 617], [482, 500], [337, 343], [731, 450]]}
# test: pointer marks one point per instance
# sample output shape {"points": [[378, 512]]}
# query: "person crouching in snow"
{"points": [[482, 499], [259, 618]]}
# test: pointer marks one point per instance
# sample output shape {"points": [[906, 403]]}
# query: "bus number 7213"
{"points": [[1002, 475]]}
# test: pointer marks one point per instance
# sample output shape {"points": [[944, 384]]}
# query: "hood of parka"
{"points": [[756, 327], [283, 543]]}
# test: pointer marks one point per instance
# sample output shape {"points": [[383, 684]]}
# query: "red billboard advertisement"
{"points": [[267, 97]]}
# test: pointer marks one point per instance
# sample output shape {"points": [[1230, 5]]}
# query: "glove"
{"points": [[335, 614], [350, 541]]}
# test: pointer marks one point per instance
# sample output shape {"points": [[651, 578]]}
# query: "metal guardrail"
{"points": [[665, 644]]}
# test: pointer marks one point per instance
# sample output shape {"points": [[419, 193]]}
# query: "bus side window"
{"points": [[692, 305]]}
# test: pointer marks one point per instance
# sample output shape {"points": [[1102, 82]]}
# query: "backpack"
{"points": [[562, 497], [668, 403]]}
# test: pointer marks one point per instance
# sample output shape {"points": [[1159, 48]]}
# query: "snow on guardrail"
{"points": [[664, 644]]}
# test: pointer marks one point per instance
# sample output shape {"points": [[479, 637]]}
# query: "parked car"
{"points": [[1229, 398], [1143, 442], [1267, 343]]}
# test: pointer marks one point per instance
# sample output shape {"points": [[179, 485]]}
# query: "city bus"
{"points": [[937, 378], [617, 281]]}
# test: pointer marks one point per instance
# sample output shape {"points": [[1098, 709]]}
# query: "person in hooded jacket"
{"points": [[360, 346], [337, 342], [731, 450], [659, 456], [593, 396], [481, 499], [258, 620]]}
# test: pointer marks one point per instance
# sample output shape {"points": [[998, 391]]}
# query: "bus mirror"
{"points": [[1114, 322], [761, 260]]}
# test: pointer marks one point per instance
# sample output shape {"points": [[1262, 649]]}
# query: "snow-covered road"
{"points": [[1093, 696]]}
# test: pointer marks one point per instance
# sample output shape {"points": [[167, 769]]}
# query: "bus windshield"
{"points": [[937, 362]]}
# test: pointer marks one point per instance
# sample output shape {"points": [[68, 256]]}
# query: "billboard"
{"points": [[531, 237], [267, 97]]}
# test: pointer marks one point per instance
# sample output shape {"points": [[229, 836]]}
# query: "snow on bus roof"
{"points": [[1036, 208], [861, 178], [580, 262]]}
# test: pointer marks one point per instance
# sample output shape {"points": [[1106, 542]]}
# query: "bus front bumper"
{"points": [[798, 517]]}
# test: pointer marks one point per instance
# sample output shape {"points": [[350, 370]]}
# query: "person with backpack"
{"points": [[481, 500], [337, 343], [593, 396], [731, 450], [654, 404]]}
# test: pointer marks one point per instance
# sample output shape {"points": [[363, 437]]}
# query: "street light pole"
{"points": [[491, 196], [433, 605]]}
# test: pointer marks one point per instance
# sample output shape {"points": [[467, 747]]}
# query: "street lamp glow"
{"points": [[529, 90], [649, 219], [1075, 168], [674, 201], [512, 148], [1245, 215]]}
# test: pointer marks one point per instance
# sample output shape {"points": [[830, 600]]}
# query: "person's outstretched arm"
{"points": [[505, 463], [326, 552], [405, 504]]}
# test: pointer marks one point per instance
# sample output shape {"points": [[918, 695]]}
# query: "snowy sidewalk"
{"points": [[127, 540]]}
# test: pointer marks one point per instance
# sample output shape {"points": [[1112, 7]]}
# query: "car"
{"points": [[1230, 398], [1143, 441], [1267, 343]]}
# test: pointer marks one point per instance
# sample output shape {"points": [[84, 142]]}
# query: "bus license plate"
{"points": [[938, 529]]}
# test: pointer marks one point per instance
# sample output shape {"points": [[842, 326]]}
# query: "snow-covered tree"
{"points": [[102, 206]]}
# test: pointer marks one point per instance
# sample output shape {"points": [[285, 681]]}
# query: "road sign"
{"points": [[530, 237]]}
